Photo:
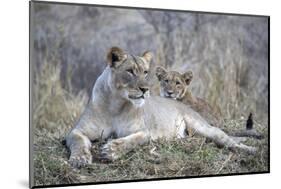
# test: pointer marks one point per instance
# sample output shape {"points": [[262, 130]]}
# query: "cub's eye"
{"points": [[130, 71], [145, 72], [177, 83], [166, 80]]}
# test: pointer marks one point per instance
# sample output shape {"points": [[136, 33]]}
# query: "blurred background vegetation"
{"points": [[228, 55]]}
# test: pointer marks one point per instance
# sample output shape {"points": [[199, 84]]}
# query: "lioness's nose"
{"points": [[143, 89]]}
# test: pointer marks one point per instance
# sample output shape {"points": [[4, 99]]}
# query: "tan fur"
{"points": [[175, 85], [121, 105]]}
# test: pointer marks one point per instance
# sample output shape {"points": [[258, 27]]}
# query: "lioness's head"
{"points": [[173, 84], [129, 74]]}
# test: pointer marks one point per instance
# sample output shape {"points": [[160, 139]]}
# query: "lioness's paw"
{"points": [[248, 149], [252, 150], [112, 150], [80, 160]]}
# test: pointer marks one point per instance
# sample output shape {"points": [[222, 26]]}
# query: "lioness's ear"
{"points": [[147, 56], [187, 76], [115, 56], [160, 73]]}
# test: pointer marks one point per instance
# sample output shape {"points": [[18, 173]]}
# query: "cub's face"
{"points": [[173, 84], [129, 75]]}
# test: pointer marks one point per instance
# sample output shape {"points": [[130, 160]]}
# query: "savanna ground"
{"points": [[227, 54]]}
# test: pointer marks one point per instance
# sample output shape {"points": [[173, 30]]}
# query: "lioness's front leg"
{"points": [[79, 145], [113, 149]]}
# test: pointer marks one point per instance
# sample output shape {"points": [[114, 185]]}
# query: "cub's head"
{"points": [[173, 84], [129, 75]]}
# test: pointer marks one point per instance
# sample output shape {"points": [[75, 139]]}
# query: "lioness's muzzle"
{"points": [[141, 94]]}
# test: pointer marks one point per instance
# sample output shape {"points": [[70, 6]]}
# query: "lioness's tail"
{"points": [[249, 131]]}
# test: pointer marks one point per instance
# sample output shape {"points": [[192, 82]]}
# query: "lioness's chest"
{"points": [[126, 125]]}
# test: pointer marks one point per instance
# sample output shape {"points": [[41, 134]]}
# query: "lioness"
{"points": [[175, 85], [120, 104]]}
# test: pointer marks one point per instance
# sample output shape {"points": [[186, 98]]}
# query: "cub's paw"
{"points": [[81, 159], [112, 150]]}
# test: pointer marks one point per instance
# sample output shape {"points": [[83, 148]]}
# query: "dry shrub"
{"points": [[54, 108]]}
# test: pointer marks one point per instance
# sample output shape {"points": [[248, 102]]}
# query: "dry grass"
{"points": [[55, 113]]}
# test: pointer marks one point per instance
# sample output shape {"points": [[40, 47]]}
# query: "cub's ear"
{"points": [[187, 76], [147, 56], [116, 56], [160, 73]]}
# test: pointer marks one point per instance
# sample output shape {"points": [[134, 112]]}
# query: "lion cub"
{"points": [[175, 85]]}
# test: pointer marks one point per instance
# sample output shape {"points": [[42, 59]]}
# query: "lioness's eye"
{"points": [[130, 71], [177, 83], [166, 80], [145, 72]]}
